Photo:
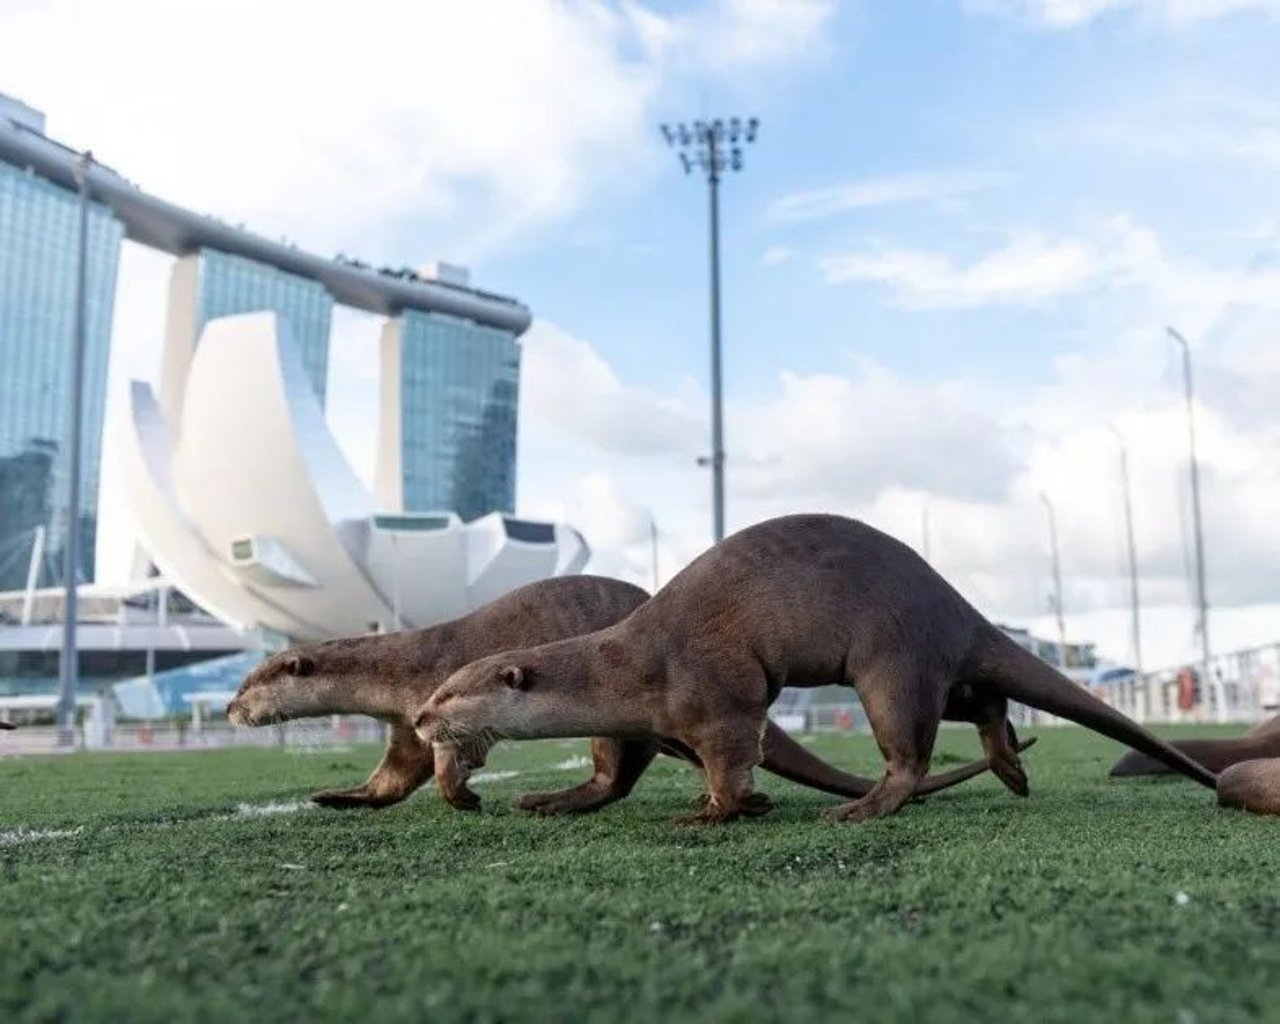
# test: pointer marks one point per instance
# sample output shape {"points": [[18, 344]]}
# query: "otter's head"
{"points": [[496, 697], [279, 688]]}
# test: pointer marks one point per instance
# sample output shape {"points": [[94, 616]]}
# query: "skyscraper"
{"points": [[208, 284], [39, 225], [447, 428]]}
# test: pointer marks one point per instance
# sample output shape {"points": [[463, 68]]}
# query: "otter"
{"points": [[803, 600], [7, 725], [1263, 740], [1252, 785], [389, 676]]}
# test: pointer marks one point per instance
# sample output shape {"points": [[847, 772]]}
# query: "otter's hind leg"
{"points": [[903, 709], [1000, 744], [618, 767], [406, 765]]}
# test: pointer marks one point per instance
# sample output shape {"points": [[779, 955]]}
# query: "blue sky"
{"points": [[947, 267]]}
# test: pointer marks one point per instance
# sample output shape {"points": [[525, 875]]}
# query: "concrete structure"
{"points": [[251, 509]]}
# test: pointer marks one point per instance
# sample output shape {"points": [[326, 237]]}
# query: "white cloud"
{"points": [[933, 188], [1033, 268], [777, 254], [340, 126], [872, 444], [1063, 14], [566, 385]]}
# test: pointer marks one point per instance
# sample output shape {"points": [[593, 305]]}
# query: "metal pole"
{"points": [[924, 531], [1135, 627], [1202, 597], [653, 547], [717, 422], [68, 676], [1134, 592], [1057, 582]]}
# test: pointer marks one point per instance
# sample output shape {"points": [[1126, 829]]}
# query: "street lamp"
{"points": [[1202, 596], [712, 147], [68, 669], [1057, 581]]}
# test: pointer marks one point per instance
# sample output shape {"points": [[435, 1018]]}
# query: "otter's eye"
{"points": [[515, 677], [299, 665]]}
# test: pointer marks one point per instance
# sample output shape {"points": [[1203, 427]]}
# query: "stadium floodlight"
{"points": [[69, 662], [713, 147]]}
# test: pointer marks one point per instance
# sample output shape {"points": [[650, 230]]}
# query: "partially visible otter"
{"points": [[1252, 786], [1263, 740], [390, 676], [806, 600], [7, 725]]}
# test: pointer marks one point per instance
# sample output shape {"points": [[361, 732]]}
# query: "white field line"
{"points": [[21, 835], [269, 809], [573, 763], [482, 777]]}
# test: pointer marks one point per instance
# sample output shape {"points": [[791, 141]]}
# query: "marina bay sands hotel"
{"points": [[449, 361]]}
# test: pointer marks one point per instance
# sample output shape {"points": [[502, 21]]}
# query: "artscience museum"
{"points": [[251, 509]]}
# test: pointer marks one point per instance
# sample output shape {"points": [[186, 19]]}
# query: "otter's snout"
{"points": [[237, 714]]}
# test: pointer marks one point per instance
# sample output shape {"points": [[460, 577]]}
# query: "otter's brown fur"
{"points": [[1263, 740], [804, 600], [1252, 786], [390, 676]]}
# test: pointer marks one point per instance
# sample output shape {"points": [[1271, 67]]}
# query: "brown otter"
{"points": [[804, 600], [1251, 785], [7, 725], [1263, 740], [390, 676]]}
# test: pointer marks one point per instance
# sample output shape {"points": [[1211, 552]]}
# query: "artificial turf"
{"points": [[1095, 899]]}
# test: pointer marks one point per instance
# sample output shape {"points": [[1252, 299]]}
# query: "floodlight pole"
{"points": [[68, 670], [716, 146], [1134, 597], [1208, 677], [1057, 581]]}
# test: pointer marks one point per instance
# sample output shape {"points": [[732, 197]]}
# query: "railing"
{"points": [[340, 730]]}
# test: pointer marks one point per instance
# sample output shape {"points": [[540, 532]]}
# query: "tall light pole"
{"points": [[1134, 598], [1202, 596], [924, 532], [68, 670], [713, 147], [1057, 581]]}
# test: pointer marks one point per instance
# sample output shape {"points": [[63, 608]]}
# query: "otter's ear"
{"points": [[515, 677], [299, 665]]}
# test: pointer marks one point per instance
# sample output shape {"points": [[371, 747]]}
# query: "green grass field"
{"points": [[1092, 900]]}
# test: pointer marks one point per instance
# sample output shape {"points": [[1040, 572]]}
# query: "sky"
{"points": [[948, 264]]}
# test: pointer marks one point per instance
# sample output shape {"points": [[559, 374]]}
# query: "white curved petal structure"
{"points": [[256, 515]]}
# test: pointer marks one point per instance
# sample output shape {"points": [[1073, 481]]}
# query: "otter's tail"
{"points": [[1019, 674], [1213, 754], [784, 757]]}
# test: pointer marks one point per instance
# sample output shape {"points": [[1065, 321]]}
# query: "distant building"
{"points": [[447, 426], [39, 225], [449, 352]]}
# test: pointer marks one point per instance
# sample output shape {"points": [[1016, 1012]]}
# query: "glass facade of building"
{"points": [[459, 391], [232, 284], [39, 239]]}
